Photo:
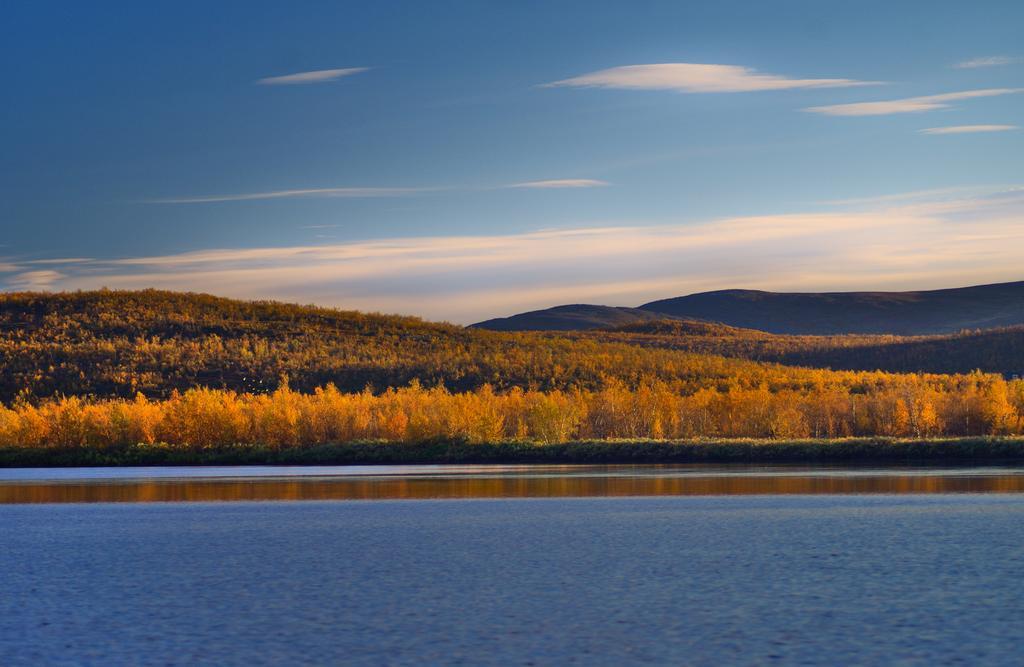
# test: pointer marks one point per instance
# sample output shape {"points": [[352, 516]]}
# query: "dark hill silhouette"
{"points": [[825, 313], [908, 313], [575, 317]]}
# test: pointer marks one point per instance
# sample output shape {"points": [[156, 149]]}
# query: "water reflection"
{"points": [[546, 482]]}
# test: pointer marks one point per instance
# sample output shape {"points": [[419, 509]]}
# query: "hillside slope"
{"points": [[110, 343], [116, 343], [991, 350]]}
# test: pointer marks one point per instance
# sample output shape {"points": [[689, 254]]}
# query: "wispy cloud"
{"points": [[967, 129], [317, 76], [987, 61], [926, 242], [909, 104], [289, 194], [561, 183], [959, 192], [697, 78], [34, 280], [65, 260], [353, 193]]}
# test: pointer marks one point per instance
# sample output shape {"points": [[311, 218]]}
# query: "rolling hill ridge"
{"points": [[574, 317], [818, 313], [109, 343]]}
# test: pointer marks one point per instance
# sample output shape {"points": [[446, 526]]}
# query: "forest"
{"points": [[108, 368], [886, 406]]}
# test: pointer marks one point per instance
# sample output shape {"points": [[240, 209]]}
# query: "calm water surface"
{"points": [[54, 485], [856, 577]]}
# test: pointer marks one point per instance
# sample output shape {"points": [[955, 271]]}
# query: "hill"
{"points": [[117, 343], [827, 313], [575, 317], [112, 343], [908, 313]]}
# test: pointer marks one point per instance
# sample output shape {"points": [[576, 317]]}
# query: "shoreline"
{"points": [[964, 450]]}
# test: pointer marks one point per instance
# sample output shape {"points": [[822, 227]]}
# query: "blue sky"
{"points": [[462, 160]]}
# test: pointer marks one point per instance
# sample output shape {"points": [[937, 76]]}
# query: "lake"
{"points": [[249, 483], [512, 565]]}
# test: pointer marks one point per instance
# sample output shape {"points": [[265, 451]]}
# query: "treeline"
{"points": [[878, 404]]}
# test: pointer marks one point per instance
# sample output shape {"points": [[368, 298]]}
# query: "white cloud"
{"points": [[561, 183], [987, 61], [697, 78], [909, 104], [33, 280], [966, 129], [317, 76], [927, 242], [288, 194]]}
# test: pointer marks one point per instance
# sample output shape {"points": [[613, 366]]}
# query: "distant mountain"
{"points": [[825, 313], [907, 313], [575, 317]]}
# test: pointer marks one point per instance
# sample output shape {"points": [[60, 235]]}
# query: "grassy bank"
{"points": [[846, 450]]}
